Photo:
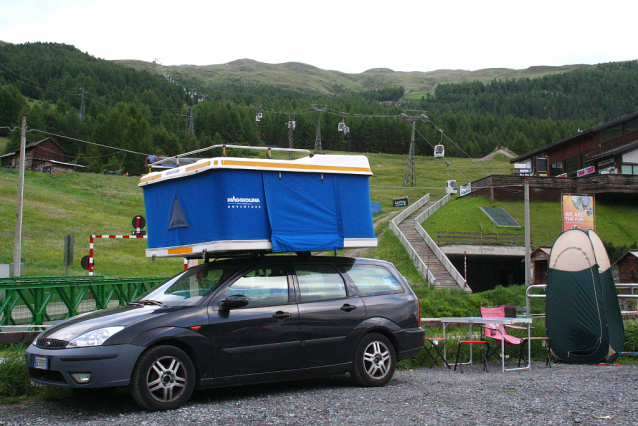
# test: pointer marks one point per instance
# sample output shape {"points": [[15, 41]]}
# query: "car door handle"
{"points": [[348, 307], [281, 315]]}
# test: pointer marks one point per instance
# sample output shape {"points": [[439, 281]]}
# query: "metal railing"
{"points": [[411, 209], [41, 300], [414, 256], [529, 295], [456, 275]]}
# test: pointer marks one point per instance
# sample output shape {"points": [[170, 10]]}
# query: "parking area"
{"points": [[563, 394]]}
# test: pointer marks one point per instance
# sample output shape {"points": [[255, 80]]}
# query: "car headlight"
{"points": [[94, 337]]}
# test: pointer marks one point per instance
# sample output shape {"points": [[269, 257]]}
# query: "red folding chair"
{"points": [[498, 333]]}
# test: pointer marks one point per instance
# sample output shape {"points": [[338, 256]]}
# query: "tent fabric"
{"points": [[221, 206], [178, 219], [304, 212], [582, 306], [299, 212], [610, 297]]}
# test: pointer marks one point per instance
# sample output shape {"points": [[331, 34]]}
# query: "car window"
{"points": [[372, 280], [189, 287], [263, 287], [319, 282]]}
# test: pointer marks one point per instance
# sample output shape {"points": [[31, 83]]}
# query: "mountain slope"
{"points": [[308, 78]]}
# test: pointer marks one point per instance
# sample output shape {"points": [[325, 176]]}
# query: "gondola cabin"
{"points": [[439, 151], [230, 204], [451, 187]]}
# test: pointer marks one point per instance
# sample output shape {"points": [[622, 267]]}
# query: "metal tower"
{"points": [[410, 172], [291, 128], [318, 137], [190, 120], [82, 106]]}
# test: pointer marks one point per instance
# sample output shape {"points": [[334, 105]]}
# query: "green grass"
{"points": [[78, 204], [614, 223], [82, 204]]}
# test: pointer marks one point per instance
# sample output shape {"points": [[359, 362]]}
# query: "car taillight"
{"points": [[418, 318]]}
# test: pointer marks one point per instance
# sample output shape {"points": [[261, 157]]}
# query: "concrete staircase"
{"points": [[407, 227]]}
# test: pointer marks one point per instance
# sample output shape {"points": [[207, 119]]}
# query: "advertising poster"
{"points": [[578, 212]]}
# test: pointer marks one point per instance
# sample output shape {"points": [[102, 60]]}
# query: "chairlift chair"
{"points": [[439, 151]]}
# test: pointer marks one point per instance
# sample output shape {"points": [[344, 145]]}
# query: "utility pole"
{"points": [[528, 237], [318, 137], [410, 173], [16, 266]]}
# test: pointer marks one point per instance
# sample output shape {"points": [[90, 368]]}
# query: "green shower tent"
{"points": [[584, 321]]}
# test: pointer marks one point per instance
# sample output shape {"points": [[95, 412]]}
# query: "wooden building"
{"points": [[45, 155], [602, 161], [540, 260], [628, 267], [611, 148]]}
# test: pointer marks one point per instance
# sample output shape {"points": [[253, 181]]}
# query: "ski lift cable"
{"points": [[456, 145], [15, 75], [88, 142], [448, 163]]}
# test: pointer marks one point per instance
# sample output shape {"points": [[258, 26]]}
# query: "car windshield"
{"points": [[189, 287]]}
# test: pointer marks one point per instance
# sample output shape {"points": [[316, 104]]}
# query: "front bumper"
{"points": [[109, 366]]}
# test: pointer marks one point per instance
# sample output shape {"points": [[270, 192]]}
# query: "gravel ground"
{"points": [[561, 395]]}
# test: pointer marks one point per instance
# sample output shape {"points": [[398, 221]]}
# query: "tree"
{"points": [[11, 103]]}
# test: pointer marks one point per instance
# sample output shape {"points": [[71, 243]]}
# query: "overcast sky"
{"points": [[345, 35]]}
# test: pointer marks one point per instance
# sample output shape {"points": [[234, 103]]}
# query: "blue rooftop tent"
{"points": [[228, 204], [584, 321]]}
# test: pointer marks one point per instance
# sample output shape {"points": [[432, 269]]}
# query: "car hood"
{"points": [[81, 324]]}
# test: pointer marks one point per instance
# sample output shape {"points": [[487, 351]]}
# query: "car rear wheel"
{"points": [[163, 379], [374, 361]]}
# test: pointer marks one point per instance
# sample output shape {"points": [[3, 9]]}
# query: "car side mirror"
{"points": [[233, 302]]}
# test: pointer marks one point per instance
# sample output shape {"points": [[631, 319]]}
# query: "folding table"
{"points": [[503, 321]]}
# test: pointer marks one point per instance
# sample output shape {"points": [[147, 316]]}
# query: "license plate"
{"points": [[41, 363]]}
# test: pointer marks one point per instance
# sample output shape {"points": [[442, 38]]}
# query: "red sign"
{"points": [[586, 171]]}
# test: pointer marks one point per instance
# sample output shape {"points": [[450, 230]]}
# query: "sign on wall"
{"points": [[578, 212]]}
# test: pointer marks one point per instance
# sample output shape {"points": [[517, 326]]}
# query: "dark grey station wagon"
{"points": [[239, 321]]}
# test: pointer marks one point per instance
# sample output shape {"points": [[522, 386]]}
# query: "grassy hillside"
{"points": [[82, 204], [307, 78], [617, 224]]}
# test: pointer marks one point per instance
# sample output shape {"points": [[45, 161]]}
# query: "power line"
{"points": [[89, 142]]}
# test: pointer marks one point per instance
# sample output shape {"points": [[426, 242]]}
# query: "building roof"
{"points": [[576, 136], [36, 143], [614, 152], [629, 253], [32, 145], [547, 250]]}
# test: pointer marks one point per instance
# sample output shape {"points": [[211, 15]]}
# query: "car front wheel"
{"points": [[374, 361], [163, 379]]}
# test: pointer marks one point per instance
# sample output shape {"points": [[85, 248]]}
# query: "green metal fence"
{"points": [[44, 300]]}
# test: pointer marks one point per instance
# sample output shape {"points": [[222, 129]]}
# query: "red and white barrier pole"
{"points": [[91, 245]]}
